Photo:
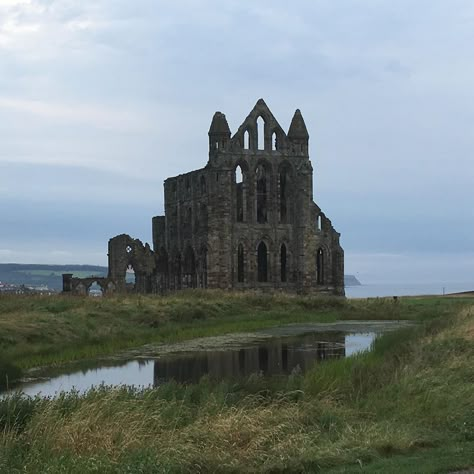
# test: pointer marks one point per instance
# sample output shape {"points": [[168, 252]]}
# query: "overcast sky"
{"points": [[101, 100]]}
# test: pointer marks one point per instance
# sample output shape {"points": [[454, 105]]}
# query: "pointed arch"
{"points": [[130, 278], [94, 288], [274, 141], [246, 140], [240, 192], [260, 133], [262, 262]]}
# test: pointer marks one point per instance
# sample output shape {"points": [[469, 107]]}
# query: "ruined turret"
{"points": [[219, 133], [298, 133]]}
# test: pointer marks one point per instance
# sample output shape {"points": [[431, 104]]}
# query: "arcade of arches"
{"points": [[246, 220]]}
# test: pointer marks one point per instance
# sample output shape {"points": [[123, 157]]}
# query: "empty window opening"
{"points": [[261, 133], [320, 267], [262, 262], [217, 145], [318, 222], [95, 290], [130, 278], [274, 141], [240, 264], [261, 194], [239, 177], [283, 263], [239, 196], [246, 140]]}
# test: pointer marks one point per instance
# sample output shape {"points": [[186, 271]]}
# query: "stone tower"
{"points": [[248, 219]]}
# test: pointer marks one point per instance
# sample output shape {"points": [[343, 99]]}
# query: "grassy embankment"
{"points": [[44, 331], [407, 406]]}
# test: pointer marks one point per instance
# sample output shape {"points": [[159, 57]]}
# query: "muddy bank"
{"points": [[235, 340]]}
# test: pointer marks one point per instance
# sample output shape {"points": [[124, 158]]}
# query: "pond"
{"points": [[277, 351]]}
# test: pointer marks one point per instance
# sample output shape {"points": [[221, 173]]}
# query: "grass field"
{"points": [[406, 406]]}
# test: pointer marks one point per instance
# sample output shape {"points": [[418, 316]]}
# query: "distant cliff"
{"points": [[351, 280]]}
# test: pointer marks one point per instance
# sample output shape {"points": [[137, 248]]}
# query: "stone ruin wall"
{"points": [[245, 221]]}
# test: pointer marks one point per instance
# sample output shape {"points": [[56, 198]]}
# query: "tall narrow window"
{"points": [[262, 262], [320, 267], [130, 278], [246, 140], [318, 222], [274, 141], [261, 133], [262, 185], [283, 263], [240, 264], [239, 194]]}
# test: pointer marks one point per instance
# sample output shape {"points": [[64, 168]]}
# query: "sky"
{"points": [[101, 100]]}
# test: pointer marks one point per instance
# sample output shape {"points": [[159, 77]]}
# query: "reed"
{"points": [[408, 404]]}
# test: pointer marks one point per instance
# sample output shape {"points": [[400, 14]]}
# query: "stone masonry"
{"points": [[247, 220]]}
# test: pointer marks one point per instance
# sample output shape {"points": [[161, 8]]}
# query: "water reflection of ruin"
{"points": [[278, 357]]}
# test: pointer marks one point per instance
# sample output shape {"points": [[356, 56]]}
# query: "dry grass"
{"points": [[373, 408]]}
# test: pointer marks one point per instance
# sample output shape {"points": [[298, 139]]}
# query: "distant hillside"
{"points": [[51, 275], [351, 280], [45, 275]]}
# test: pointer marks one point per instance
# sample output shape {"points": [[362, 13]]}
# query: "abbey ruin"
{"points": [[247, 220]]}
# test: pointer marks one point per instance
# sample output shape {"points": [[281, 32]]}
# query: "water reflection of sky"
{"points": [[358, 342], [281, 356], [138, 374]]}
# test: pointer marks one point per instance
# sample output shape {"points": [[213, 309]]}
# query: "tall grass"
{"points": [[408, 404], [9, 372]]}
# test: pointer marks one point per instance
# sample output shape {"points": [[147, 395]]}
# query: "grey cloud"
{"points": [[385, 89]]}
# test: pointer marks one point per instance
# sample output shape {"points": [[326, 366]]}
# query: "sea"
{"points": [[372, 290]]}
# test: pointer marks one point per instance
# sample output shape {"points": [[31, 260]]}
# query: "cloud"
{"points": [[104, 100], [99, 116]]}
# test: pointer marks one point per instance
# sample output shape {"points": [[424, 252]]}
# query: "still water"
{"points": [[281, 351]]}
